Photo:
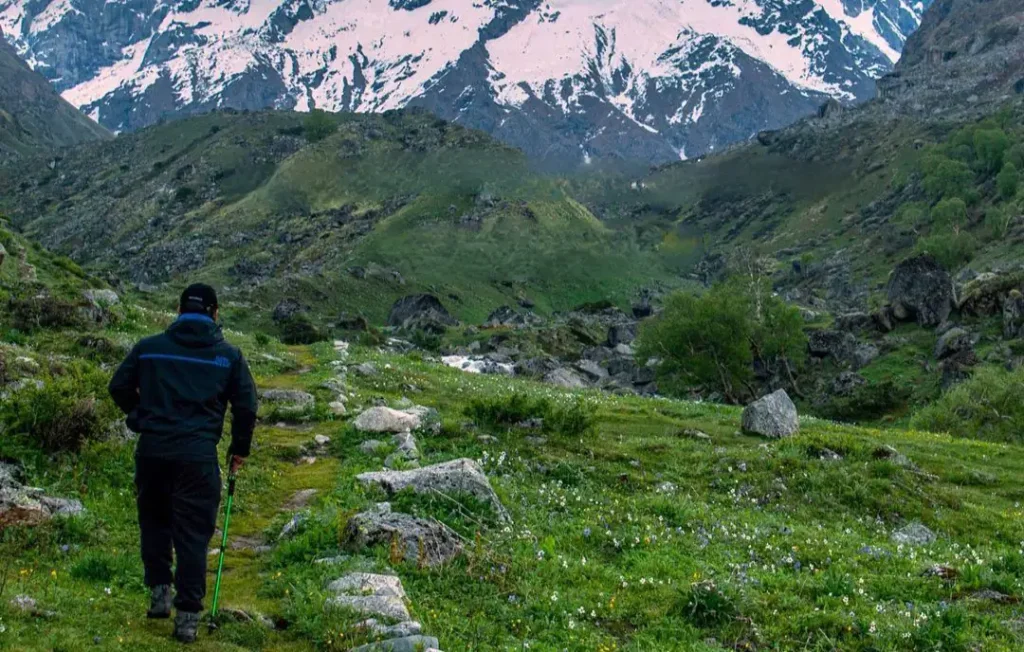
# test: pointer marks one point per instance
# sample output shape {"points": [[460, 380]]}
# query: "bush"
{"points": [[945, 177], [572, 420], [318, 125], [1007, 181], [986, 406], [870, 401], [951, 249], [990, 146], [62, 415], [298, 329], [707, 605], [44, 311], [950, 214]]}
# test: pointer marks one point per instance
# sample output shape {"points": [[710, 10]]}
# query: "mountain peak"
{"points": [[565, 80]]}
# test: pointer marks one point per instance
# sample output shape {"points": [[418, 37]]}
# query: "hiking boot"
{"points": [[159, 602], [186, 626]]}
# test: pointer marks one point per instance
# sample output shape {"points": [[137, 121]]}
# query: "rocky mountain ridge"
{"points": [[565, 81]]}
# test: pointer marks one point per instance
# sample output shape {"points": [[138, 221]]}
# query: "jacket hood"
{"points": [[195, 331]]}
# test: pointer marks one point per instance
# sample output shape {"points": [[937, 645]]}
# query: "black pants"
{"points": [[178, 504]]}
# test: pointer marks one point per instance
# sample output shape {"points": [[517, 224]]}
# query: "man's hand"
{"points": [[235, 463]]}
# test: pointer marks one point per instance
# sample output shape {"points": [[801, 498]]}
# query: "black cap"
{"points": [[200, 298]]}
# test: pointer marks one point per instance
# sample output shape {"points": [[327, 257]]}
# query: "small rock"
{"points": [[693, 433], [914, 534], [430, 543], [337, 408], [372, 447], [406, 644], [383, 419], [367, 369]]}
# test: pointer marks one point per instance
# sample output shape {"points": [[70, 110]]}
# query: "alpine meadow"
{"points": [[421, 325]]}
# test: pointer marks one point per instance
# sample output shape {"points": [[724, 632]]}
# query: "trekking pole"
{"points": [[223, 548]]}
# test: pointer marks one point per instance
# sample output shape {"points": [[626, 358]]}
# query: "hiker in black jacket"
{"points": [[175, 388]]}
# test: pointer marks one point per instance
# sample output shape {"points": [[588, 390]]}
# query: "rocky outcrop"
{"points": [[921, 290], [420, 312], [564, 377], [22, 505], [462, 476], [952, 342], [422, 542], [772, 416], [1013, 315], [507, 317]]}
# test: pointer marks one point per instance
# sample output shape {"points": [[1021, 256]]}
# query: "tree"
{"points": [[950, 215], [318, 125], [944, 177], [1007, 181], [713, 340], [990, 147]]}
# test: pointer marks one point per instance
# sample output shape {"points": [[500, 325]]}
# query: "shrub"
{"points": [[44, 311], [573, 420], [508, 410], [990, 146], [1007, 181], [60, 416], [298, 329], [262, 339], [869, 401], [950, 214], [318, 125], [707, 605], [986, 406], [950, 249]]}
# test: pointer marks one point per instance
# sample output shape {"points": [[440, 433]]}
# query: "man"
{"points": [[174, 388]]}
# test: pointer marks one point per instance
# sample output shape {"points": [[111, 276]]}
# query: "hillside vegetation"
{"points": [[636, 523], [340, 212]]}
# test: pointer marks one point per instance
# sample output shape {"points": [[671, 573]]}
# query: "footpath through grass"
{"points": [[659, 528]]}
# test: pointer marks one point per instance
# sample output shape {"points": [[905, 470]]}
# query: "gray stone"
{"points": [[1013, 315], [383, 419], [921, 289], [462, 476], [101, 298], [566, 378], [406, 644], [420, 312], [772, 416], [371, 605], [621, 334], [426, 542], [400, 630], [367, 369], [593, 371], [914, 534], [953, 341], [368, 584], [290, 398]]}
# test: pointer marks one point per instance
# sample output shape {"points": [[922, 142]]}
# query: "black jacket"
{"points": [[175, 388]]}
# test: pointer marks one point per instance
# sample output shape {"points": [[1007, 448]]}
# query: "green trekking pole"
{"points": [[223, 549]]}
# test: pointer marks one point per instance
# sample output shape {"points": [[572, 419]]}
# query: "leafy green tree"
{"points": [[950, 214], [945, 177], [1016, 156], [712, 340], [990, 146], [318, 125], [950, 249], [1008, 180]]}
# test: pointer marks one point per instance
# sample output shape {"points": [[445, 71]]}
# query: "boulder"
{"points": [[384, 419], [423, 542], [920, 289], [772, 416], [101, 298], [420, 312], [621, 334], [370, 595], [594, 372], [914, 534], [1013, 315], [953, 341], [838, 345], [643, 308], [21, 505], [854, 322], [846, 383], [286, 309], [506, 316], [563, 377], [462, 476], [288, 397]]}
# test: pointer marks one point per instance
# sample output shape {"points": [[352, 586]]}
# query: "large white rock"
{"points": [[462, 476], [384, 419], [369, 594], [772, 416]]}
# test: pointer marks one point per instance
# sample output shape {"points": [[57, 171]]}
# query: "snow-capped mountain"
{"points": [[566, 80]]}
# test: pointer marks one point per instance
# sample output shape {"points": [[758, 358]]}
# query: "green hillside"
{"points": [[33, 117], [345, 215], [636, 523]]}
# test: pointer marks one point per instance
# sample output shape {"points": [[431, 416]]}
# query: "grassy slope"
{"points": [[386, 192], [33, 116], [598, 558]]}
